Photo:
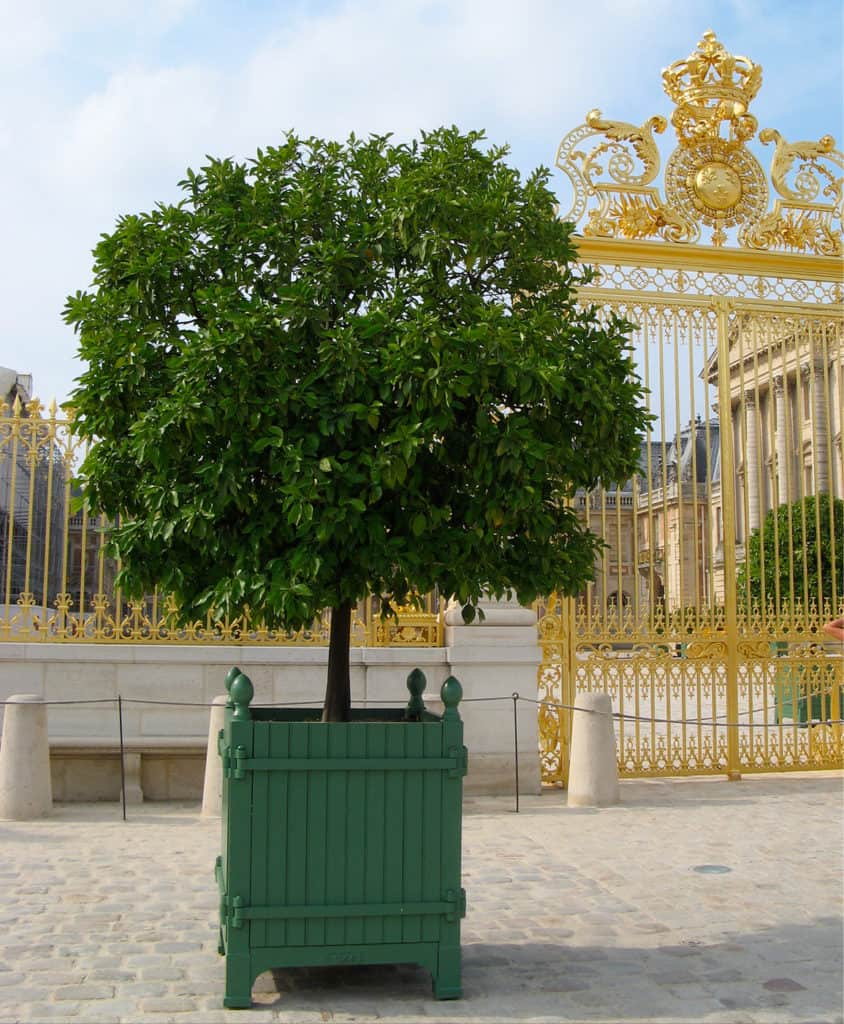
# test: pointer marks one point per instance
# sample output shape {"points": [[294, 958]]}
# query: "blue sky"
{"points": [[105, 102]]}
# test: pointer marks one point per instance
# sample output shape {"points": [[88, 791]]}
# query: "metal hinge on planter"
{"points": [[461, 762], [457, 898], [234, 762], [236, 908]]}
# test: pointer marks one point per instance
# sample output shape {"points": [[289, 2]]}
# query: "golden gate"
{"points": [[724, 554]]}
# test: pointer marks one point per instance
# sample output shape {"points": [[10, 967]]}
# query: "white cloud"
{"points": [[394, 66], [28, 34], [364, 68], [69, 165], [35, 29], [120, 139]]}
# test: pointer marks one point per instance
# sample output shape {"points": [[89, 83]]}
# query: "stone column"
{"points": [[496, 657], [25, 786], [751, 461], [593, 772], [820, 449], [782, 468], [212, 789]]}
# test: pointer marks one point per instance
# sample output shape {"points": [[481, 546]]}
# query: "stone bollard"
{"points": [[25, 787], [212, 789], [593, 771]]}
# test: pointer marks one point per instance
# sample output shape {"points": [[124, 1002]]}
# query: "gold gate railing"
{"points": [[724, 553], [58, 579]]}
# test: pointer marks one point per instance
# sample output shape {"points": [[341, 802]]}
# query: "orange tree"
{"points": [[349, 368]]}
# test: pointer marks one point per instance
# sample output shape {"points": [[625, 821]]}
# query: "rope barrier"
{"points": [[50, 703], [515, 698], [557, 706], [696, 722]]}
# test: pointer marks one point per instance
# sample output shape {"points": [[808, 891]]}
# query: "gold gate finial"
{"points": [[711, 179], [712, 88]]}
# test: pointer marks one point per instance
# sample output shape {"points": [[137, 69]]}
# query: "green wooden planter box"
{"points": [[805, 692], [341, 842]]}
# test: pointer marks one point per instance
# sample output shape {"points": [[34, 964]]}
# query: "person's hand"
{"points": [[835, 628]]}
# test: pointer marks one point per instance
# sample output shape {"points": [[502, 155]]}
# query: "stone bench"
{"points": [[87, 768]]}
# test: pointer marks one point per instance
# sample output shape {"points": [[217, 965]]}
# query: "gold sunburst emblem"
{"points": [[715, 183]]}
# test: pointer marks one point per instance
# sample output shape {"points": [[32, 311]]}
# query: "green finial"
{"points": [[231, 675], [451, 694], [241, 692], [415, 706]]}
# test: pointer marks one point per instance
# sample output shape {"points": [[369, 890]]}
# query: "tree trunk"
{"points": [[338, 690]]}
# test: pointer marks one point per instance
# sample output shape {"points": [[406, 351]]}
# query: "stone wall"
{"points": [[165, 741]]}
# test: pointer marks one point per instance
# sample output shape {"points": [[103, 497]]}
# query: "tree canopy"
{"points": [[795, 558], [350, 368]]}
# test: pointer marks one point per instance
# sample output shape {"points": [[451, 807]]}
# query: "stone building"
{"points": [[787, 408], [664, 529], [657, 528]]}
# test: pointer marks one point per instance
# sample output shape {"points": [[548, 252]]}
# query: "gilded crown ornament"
{"points": [[712, 88], [711, 178]]}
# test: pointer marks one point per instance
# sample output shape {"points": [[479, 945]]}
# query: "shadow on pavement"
{"points": [[592, 982]]}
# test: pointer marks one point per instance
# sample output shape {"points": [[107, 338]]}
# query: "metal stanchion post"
{"points": [[122, 761], [515, 696]]}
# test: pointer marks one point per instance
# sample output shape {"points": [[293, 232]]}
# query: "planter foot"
{"points": [[443, 990], [447, 979], [238, 1002], [239, 978]]}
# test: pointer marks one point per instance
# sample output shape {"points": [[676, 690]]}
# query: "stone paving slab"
{"points": [[574, 915]]}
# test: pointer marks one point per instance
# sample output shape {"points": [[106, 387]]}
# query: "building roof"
{"points": [[14, 385]]}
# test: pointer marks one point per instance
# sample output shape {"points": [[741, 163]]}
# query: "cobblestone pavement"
{"points": [[574, 915]]}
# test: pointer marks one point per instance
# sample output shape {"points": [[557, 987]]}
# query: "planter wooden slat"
{"points": [[260, 831], [374, 816], [356, 839]]}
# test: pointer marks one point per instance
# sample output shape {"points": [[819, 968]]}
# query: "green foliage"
{"points": [[790, 557], [349, 368]]}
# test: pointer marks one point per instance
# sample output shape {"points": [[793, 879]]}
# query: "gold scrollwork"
{"points": [[808, 216], [706, 650], [639, 215], [625, 146], [754, 649], [810, 173], [620, 165]]}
